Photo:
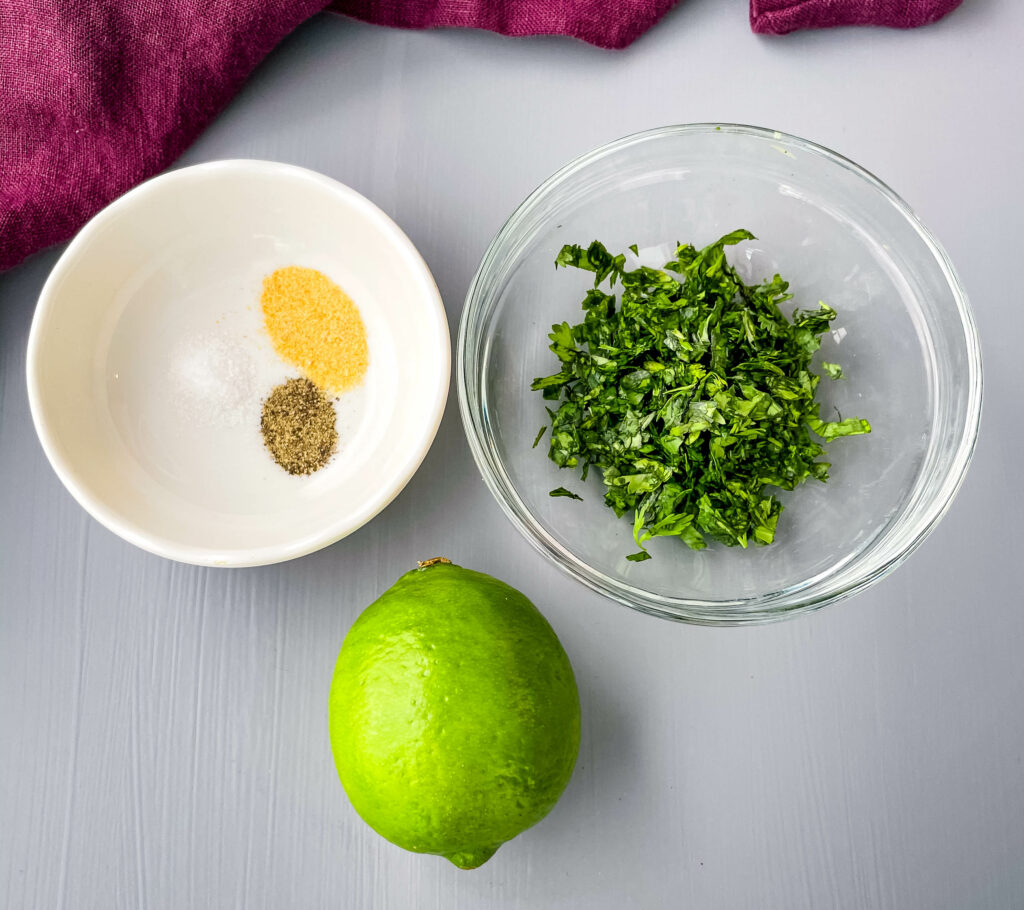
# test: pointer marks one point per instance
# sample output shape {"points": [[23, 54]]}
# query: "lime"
{"points": [[454, 714]]}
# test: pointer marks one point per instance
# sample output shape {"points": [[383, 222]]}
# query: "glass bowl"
{"points": [[905, 337]]}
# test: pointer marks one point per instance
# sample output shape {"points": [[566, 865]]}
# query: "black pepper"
{"points": [[298, 426]]}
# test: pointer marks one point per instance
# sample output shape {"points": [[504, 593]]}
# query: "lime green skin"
{"points": [[454, 714]]}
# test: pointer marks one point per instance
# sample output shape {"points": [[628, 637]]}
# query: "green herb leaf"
{"points": [[692, 393], [852, 427], [542, 431], [562, 491]]}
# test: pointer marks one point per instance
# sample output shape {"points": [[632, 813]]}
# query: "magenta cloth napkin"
{"points": [[779, 17], [606, 23], [97, 95]]}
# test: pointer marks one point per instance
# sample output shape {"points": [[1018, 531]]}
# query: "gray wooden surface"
{"points": [[162, 728]]}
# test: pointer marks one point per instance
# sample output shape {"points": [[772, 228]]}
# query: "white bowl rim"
{"points": [[771, 606], [157, 544]]}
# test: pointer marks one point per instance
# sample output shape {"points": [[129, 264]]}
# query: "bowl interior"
{"points": [[149, 362], [835, 236]]}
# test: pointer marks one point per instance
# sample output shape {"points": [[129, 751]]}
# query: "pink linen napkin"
{"points": [[605, 23], [778, 17], [97, 95]]}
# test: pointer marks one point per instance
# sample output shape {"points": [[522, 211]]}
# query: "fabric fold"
{"points": [[779, 17], [98, 95], [612, 24]]}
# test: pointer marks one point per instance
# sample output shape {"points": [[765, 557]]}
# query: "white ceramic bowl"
{"points": [[148, 363]]}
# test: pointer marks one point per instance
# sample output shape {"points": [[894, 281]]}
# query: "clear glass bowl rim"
{"points": [[747, 611]]}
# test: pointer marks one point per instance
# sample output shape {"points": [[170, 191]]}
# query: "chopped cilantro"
{"points": [[692, 394], [562, 491]]}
